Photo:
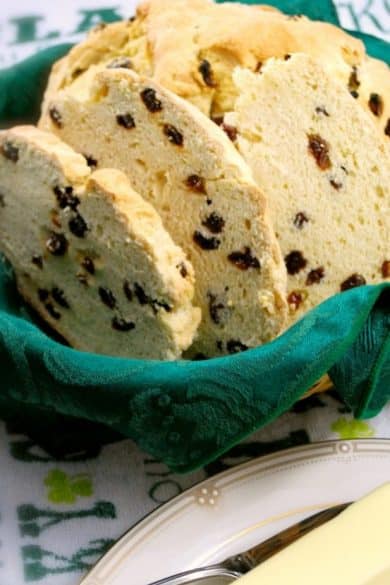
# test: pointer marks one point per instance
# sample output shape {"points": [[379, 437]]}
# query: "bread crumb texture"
{"points": [[325, 167], [89, 254]]}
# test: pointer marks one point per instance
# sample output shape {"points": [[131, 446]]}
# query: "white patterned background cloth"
{"points": [[57, 517]]}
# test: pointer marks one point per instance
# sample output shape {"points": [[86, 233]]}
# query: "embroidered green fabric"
{"points": [[185, 413]]}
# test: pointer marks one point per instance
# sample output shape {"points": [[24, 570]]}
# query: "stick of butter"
{"points": [[352, 549]]}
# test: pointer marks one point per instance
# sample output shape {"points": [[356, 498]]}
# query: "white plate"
{"points": [[241, 507]]}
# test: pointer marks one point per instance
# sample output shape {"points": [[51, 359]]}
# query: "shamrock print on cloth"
{"points": [[352, 429], [40, 563], [65, 489], [33, 521]]}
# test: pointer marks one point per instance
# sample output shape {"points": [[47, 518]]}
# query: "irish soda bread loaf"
{"points": [[89, 254], [192, 46], [326, 169], [190, 171]]}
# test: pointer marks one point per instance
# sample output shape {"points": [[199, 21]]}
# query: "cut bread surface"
{"points": [[326, 170], [187, 167], [89, 254]]}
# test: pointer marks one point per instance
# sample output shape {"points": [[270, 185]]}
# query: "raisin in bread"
{"points": [[190, 171], [326, 169], [89, 254], [191, 47], [373, 89]]}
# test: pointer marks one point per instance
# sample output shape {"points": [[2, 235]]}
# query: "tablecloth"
{"points": [[59, 515]]}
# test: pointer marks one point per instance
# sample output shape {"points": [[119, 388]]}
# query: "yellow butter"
{"points": [[352, 549]]}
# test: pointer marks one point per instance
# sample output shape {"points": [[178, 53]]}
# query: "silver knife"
{"points": [[236, 566]]}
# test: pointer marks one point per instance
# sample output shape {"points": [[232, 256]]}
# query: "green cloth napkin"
{"points": [[185, 413]]}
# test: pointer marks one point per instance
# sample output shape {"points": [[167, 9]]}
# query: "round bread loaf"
{"points": [[192, 48]]}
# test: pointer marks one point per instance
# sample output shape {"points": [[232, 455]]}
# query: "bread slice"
{"points": [[190, 171], [89, 254], [192, 47], [326, 169]]}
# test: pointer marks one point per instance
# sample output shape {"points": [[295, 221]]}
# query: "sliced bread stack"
{"points": [[255, 216], [189, 170], [89, 254]]}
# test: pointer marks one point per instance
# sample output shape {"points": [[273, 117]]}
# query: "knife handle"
{"points": [[251, 558]]}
